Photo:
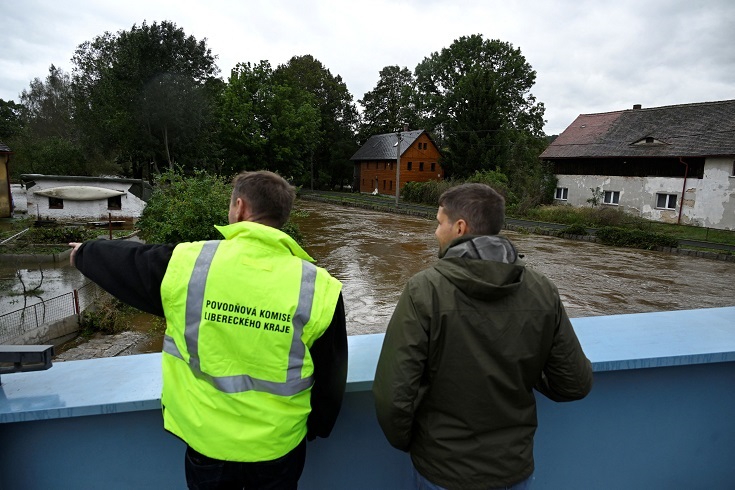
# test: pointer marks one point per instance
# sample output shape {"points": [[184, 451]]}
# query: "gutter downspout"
{"points": [[683, 188]]}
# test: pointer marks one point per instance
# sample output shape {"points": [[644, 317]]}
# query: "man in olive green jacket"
{"points": [[470, 339]]}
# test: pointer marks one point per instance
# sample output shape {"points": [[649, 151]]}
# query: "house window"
{"points": [[114, 202], [55, 203], [383, 184], [421, 166], [391, 185], [410, 164], [425, 145], [666, 201], [433, 166], [611, 197], [562, 193]]}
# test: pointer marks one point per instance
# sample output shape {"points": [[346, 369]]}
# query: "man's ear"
{"points": [[461, 227], [242, 212]]}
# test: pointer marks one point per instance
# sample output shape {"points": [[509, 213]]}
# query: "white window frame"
{"points": [[670, 199], [562, 193], [611, 197]]}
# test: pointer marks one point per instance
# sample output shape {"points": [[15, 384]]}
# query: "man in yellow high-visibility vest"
{"points": [[255, 351]]}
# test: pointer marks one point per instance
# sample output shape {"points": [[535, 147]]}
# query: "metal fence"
{"points": [[18, 322]]}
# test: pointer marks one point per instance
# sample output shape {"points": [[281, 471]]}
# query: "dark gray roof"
{"points": [[690, 130], [4, 148], [383, 146]]}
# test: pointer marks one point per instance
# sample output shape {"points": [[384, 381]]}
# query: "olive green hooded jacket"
{"points": [[469, 340]]}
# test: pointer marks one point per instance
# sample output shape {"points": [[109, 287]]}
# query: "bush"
{"points": [[576, 229], [634, 238], [107, 315], [60, 234], [186, 208]]}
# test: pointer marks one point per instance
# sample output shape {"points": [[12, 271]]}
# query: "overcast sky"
{"points": [[589, 56]]}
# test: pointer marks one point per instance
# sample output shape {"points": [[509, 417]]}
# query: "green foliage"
{"points": [[11, 119], [267, 124], [338, 118], [429, 192], [58, 234], [390, 104], [634, 238], [597, 196], [145, 96], [106, 315], [576, 229], [588, 217], [185, 208]]}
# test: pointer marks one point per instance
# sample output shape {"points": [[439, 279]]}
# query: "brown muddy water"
{"points": [[375, 253]]}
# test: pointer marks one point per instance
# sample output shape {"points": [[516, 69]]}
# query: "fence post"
{"points": [[35, 314], [75, 293]]}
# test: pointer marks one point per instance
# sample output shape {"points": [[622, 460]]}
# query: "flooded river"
{"points": [[375, 253]]}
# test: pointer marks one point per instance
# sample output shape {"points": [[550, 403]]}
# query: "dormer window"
{"points": [[648, 140]]}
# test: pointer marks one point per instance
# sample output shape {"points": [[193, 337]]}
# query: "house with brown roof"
{"points": [[375, 161], [673, 164]]}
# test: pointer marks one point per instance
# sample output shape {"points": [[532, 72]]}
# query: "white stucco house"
{"points": [[60, 197], [674, 164]]}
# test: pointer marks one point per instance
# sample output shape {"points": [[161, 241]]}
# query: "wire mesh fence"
{"points": [[18, 322]]}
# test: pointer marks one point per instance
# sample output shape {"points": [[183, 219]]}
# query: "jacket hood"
{"points": [[482, 267]]}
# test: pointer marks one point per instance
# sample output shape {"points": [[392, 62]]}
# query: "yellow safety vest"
{"points": [[241, 315]]}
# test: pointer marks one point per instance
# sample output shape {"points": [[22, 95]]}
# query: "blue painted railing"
{"points": [[661, 415]]}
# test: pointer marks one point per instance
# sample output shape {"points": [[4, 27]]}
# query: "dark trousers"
{"points": [[204, 473]]}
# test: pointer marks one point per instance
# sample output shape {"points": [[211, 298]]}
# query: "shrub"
{"points": [[186, 208], [576, 229], [635, 238], [107, 315]]}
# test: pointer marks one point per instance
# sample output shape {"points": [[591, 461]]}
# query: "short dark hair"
{"points": [[479, 205], [268, 195]]}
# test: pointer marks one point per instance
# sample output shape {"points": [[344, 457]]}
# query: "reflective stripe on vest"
{"points": [[236, 384]]}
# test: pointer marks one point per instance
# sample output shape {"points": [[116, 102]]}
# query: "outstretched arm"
{"points": [[130, 271]]}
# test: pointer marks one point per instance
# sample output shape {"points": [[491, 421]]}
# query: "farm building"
{"points": [[674, 164]]}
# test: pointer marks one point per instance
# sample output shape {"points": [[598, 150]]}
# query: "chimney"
{"points": [[636, 106], [405, 127]]}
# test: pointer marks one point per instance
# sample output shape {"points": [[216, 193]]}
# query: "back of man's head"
{"points": [[479, 205], [267, 194]]}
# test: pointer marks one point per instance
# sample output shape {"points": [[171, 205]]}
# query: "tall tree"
{"points": [[145, 95], [11, 119], [476, 97], [390, 105], [338, 117], [49, 141], [266, 124]]}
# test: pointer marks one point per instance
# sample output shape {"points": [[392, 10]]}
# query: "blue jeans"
{"points": [[204, 473], [422, 483]]}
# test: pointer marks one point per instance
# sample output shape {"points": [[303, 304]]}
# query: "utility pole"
{"points": [[398, 166]]}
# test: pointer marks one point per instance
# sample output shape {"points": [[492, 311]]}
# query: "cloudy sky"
{"points": [[590, 56]]}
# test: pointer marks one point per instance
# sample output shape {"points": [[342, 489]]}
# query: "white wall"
{"points": [[708, 202], [132, 206]]}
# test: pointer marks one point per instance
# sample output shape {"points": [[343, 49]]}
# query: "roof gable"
{"points": [[4, 148], [383, 146], [690, 130]]}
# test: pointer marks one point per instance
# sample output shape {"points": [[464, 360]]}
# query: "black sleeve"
{"points": [[329, 353], [130, 271]]}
